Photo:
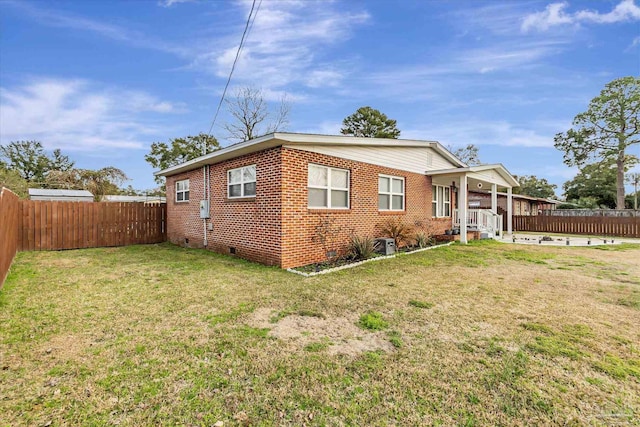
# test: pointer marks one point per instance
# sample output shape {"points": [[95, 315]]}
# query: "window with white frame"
{"points": [[241, 182], [441, 204], [182, 190], [328, 187], [390, 193]]}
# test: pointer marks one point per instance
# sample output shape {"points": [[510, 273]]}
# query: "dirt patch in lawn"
{"points": [[66, 347], [337, 335]]}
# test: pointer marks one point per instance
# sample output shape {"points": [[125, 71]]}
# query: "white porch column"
{"points": [[509, 210], [494, 198], [463, 206]]}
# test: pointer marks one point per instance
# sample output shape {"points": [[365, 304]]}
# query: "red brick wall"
{"points": [[183, 218], [276, 227], [363, 217], [520, 206], [251, 226]]}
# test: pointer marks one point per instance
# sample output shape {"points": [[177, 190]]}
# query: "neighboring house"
{"points": [[269, 199], [134, 199], [60, 195], [522, 204]]}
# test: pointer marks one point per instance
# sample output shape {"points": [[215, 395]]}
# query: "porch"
{"points": [[487, 222], [460, 180]]}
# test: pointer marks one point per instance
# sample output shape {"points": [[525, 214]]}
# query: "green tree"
{"points": [[11, 179], [180, 150], [370, 123], [158, 191], [595, 185], [59, 162], [130, 191], [531, 185], [468, 154], [606, 130], [99, 182], [31, 161]]}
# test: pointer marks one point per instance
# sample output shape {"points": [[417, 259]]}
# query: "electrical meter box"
{"points": [[204, 209]]}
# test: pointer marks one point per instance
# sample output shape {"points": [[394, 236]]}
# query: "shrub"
{"points": [[423, 240], [326, 234], [361, 247], [396, 229]]}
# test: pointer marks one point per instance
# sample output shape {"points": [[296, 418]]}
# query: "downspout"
{"points": [[206, 191]]}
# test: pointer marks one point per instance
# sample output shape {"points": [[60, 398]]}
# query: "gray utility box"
{"points": [[385, 246], [204, 209]]}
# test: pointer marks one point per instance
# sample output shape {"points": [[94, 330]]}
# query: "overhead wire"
{"points": [[245, 33], [205, 169]]}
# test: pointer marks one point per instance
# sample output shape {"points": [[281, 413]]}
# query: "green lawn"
{"points": [[484, 334]]}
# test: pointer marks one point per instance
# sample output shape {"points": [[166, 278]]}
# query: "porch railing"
{"points": [[480, 219]]}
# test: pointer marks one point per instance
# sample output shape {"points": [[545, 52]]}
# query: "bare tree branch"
{"points": [[252, 116]]}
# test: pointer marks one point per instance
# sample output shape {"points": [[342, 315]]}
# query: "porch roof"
{"points": [[491, 173]]}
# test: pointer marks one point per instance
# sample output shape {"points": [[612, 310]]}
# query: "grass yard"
{"points": [[484, 334]]}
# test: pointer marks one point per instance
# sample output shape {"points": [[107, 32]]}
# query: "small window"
{"points": [[328, 187], [241, 182], [441, 201], [182, 191], [390, 193]]}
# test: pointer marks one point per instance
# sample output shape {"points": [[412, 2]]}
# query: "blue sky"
{"points": [[102, 80]]}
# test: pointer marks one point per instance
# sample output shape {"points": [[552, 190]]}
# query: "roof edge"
{"points": [[280, 138]]}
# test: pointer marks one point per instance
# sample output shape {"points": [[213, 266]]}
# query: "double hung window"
{"points": [[241, 182], [328, 187], [441, 203], [390, 193]]}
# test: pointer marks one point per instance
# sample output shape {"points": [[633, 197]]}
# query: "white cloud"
{"points": [[77, 115], [453, 76], [626, 10], [284, 43], [324, 128], [507, 56], [555, 15], [324, 78], [481, 132], [169, 3], [551, 16], [58, 19]]}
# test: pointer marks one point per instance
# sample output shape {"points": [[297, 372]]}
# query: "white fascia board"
{"points": [[498, 167], [278, 138], [235, 150], [448, 155]]}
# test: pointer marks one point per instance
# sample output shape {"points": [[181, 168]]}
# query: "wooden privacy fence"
{"points": [[587, 225], [50, 225], [9, 222]]}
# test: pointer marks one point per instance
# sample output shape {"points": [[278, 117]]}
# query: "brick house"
{"points": [[522, 204], [268, 199]]}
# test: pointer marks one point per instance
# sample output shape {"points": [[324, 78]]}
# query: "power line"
{"points": [[247, 26]]}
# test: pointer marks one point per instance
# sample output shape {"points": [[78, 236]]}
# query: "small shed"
{"points": [[60, 195]]}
